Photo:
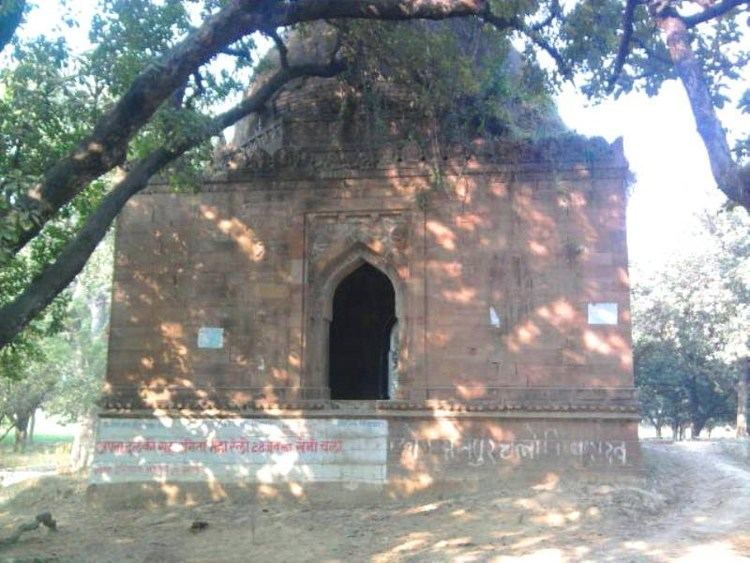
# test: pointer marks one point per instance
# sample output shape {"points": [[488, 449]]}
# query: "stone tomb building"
{"points": [[343, 306]]}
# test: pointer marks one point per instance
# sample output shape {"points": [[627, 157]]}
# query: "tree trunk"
{"points": [[725, 171], [658, 430], [742, 400], [82, 452], [32, 426], [22, 426], [696, 428]]}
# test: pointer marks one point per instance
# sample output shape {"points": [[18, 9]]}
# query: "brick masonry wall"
{"points": [[255, 255]]}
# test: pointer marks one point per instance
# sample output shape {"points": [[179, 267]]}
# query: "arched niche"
{"points": [[319, 310], [359, 338]]}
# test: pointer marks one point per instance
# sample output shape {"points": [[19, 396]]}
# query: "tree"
{"points": [[154, 105], [681, 380], [659, 378], [20, 398], [77, 354], [11, 12], [65, 373], [692, 330], [645, 42], [731, 256]]}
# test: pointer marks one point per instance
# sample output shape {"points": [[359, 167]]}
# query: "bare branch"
{"points": [[624, 49], [198, 91], [56, 276], [712, 12]]}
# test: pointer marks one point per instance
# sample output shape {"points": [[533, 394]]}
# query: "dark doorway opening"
{"points": [[364, 310]]}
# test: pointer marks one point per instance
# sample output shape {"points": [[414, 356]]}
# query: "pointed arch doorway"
{"points": [[361, 336]]}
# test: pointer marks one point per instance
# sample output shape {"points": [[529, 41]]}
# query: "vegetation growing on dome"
{"points": [[461, 74], [461, 78]]}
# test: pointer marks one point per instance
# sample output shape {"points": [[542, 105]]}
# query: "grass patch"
{"points": [[46, 450], [39, 439]]}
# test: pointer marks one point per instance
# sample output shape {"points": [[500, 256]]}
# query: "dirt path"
{"points": [[693, 505], [710, 519], [9, 477]]}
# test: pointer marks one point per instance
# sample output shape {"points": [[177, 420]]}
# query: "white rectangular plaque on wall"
{"points": [[210, 337], [602, 313]]}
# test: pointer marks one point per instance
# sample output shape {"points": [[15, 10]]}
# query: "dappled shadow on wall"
{"points": [[510, 268]]}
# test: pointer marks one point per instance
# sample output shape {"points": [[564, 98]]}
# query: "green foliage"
{"points": [[50, 98], [692, 328], [130, 35], [589, 35], [77, 354], [62, 372], [462, 75]]}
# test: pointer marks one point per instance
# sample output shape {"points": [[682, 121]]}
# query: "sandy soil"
{"points": [[693, 504]]}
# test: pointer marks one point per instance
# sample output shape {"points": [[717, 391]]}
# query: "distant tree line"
{"points": [[692, 332], [63, 372]]}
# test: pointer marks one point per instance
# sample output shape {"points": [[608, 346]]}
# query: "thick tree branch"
{"points": [[280, 47], [501, 22], [714, 11], [726, 173], [11, 12], [624, 48], [57, 276], [106, 146], [653, 55], [43, 519], [240, 54]]}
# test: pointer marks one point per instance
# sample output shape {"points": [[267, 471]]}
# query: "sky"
{"points": [[673, 179], [666, 155]]}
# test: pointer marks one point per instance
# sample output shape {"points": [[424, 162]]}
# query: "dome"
{"points": [[450, 81]]}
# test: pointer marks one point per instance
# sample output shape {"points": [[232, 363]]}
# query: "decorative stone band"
{"points": [[569, 152], [518, 400]]}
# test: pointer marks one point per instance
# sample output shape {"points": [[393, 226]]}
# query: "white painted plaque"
{"points": [[240, 450], [494, 318], [602, 313], [210, 337]]}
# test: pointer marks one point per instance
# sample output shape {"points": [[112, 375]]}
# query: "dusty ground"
{"points": [[692, 505]]}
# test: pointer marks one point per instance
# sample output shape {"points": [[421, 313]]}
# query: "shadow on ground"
{"points": [[692, 502]]}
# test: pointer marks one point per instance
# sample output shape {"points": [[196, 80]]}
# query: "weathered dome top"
{"points": [[457, 78]]}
